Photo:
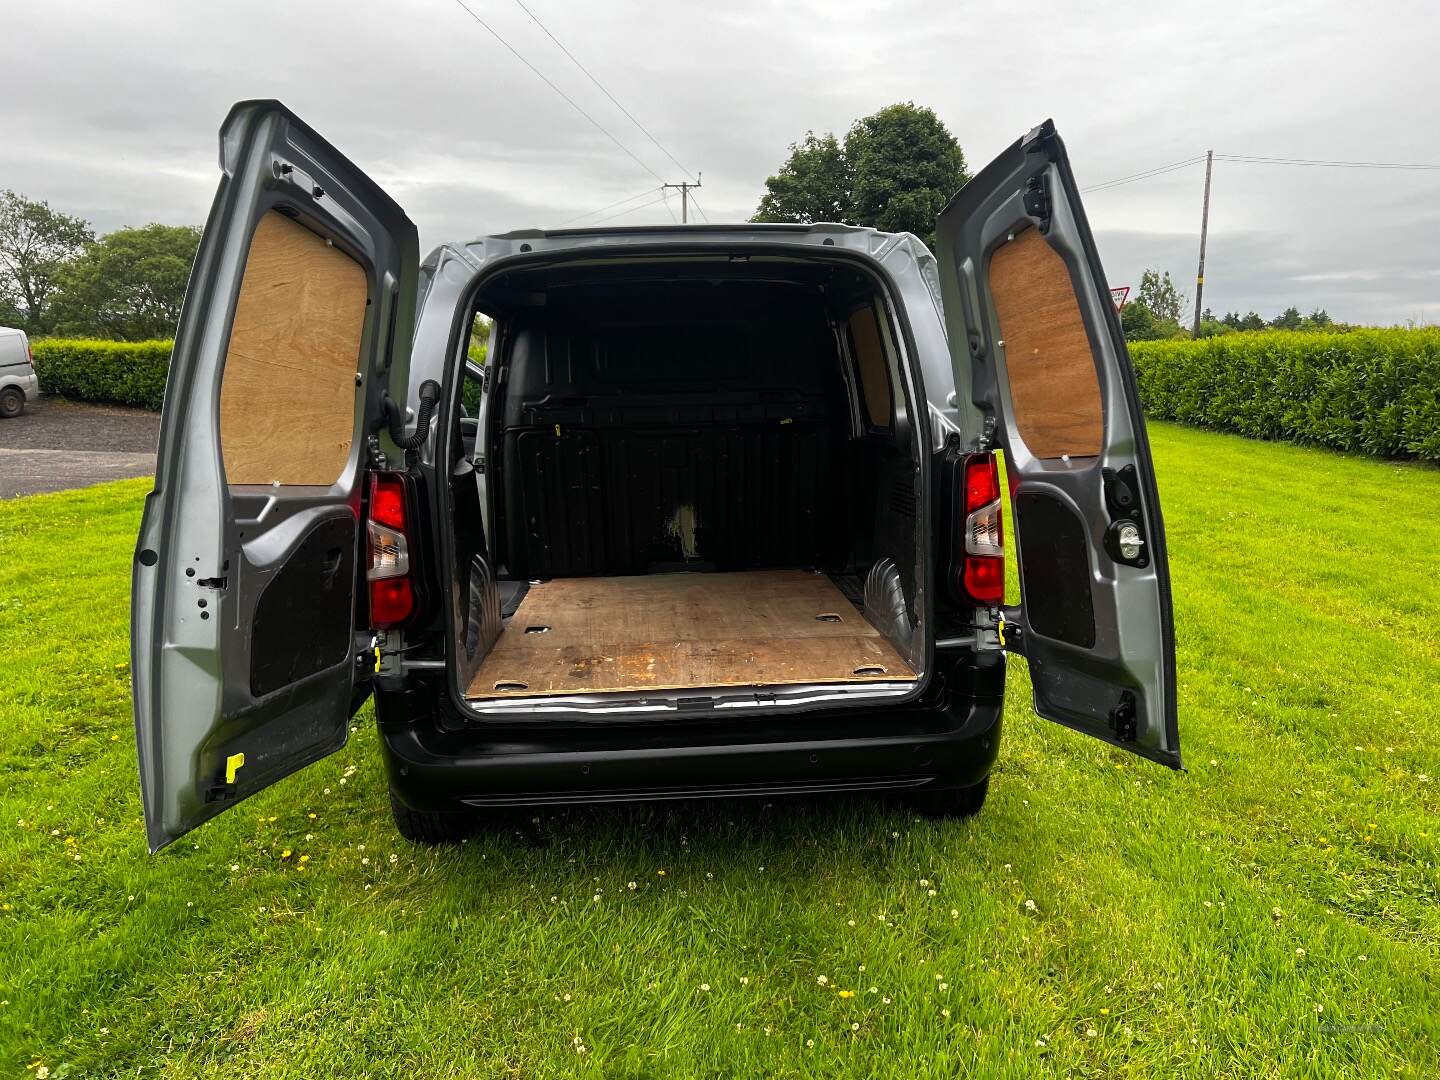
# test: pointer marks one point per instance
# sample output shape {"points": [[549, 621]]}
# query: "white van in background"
{"points": [[18, 381]]}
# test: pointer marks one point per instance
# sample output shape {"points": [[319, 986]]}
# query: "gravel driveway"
{"points": [[58, 444]]}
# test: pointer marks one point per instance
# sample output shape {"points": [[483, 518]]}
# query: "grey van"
{"points": [[720, 515], [18, 381]]}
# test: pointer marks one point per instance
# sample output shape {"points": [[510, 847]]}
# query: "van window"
{"points": [[287, 396], [868, 349], [1054, 387]]}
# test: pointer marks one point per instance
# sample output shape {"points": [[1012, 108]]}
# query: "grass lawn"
{"points": [[1271, 911]]}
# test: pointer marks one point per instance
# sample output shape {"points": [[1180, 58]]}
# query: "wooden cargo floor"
{"points": [[678, 631]]}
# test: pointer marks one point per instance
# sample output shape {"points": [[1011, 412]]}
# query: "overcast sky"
{"points": [[110, 111]]}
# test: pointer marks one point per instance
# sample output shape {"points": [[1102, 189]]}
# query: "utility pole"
{"points": [[684, 188], [1204, 228]]}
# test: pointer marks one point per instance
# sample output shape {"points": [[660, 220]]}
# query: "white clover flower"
{"points": [[822, 979], [1299, 951], [1029, 905]]}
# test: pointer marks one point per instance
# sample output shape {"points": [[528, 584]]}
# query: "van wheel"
{"points": [[12, 402], [432, 826], [952, 802]]}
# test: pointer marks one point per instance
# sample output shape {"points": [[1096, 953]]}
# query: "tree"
{"points": [[1289, 319], [1138, 321], [35, 242], [128, 285], [812, 185], [1319, 319], [895, 170], [1158, 293], [906, 165]]}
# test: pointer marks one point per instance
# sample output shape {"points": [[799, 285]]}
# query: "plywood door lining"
{"points": [[287, 396], [1054, 387], [682, 631]]}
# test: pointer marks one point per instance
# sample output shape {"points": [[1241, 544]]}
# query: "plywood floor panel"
{"points": [[682, 631]]}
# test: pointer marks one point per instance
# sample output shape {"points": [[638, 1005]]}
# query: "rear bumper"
{"points": [[950, 742]]}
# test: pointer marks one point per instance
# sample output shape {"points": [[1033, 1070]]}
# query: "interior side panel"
{"points": [[1054, 386], [287, 400]]}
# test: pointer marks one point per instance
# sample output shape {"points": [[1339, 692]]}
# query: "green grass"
{"points": [[1205, 923]]}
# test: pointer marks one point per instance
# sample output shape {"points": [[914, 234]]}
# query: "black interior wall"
{"points": [[689, 425]]}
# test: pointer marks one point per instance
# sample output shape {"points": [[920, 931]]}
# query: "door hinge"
{"points": [[1122, 717]]}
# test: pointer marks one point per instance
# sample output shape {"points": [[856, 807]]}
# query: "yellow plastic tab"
{"points": [[377, 657], [232, 766], [1000, 631]]}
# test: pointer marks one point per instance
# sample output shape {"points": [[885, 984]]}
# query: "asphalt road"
{"points": [[55, 445]]}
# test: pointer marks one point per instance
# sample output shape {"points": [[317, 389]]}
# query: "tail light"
{"points": [[389, 571], [980, 576]]}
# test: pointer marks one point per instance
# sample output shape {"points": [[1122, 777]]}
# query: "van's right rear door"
{"points": [[1034, 334]]}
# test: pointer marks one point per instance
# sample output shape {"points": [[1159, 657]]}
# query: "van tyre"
{"points": [[12, 402], [953, 803], [432, 826]]}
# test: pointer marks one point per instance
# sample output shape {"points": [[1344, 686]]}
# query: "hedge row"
{"points": [[123, 372], [1370, 391]]}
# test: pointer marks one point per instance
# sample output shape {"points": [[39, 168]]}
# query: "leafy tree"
{"points": [[1289, 319], [1158, 293], [1213, 327], [906, 165], [128, 285], [812, 185], [35, 242], [1138, 321], [895, 170], [1319, 319]]}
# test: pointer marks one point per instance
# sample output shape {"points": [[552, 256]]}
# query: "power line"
{"points": [[601, 210], [622, 213], [668, 209], [561, 46], [569, 100], [1255, 159], [1146, 174], [699, 207]]}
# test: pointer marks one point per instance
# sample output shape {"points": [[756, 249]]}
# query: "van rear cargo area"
{"points": [[677, 631], [695, 477]]}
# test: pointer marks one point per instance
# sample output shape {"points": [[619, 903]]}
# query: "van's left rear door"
{"points": [[245, 579]]}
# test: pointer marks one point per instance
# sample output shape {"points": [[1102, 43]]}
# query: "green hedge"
{"points": [[123, 372], [1372, 391]]}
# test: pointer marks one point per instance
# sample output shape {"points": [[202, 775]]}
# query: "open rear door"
{"points": [[1034, 335], [243, 602]]}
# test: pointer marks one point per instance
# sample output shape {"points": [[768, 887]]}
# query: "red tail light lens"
{"points": [[392, 590], [982, 562]]}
